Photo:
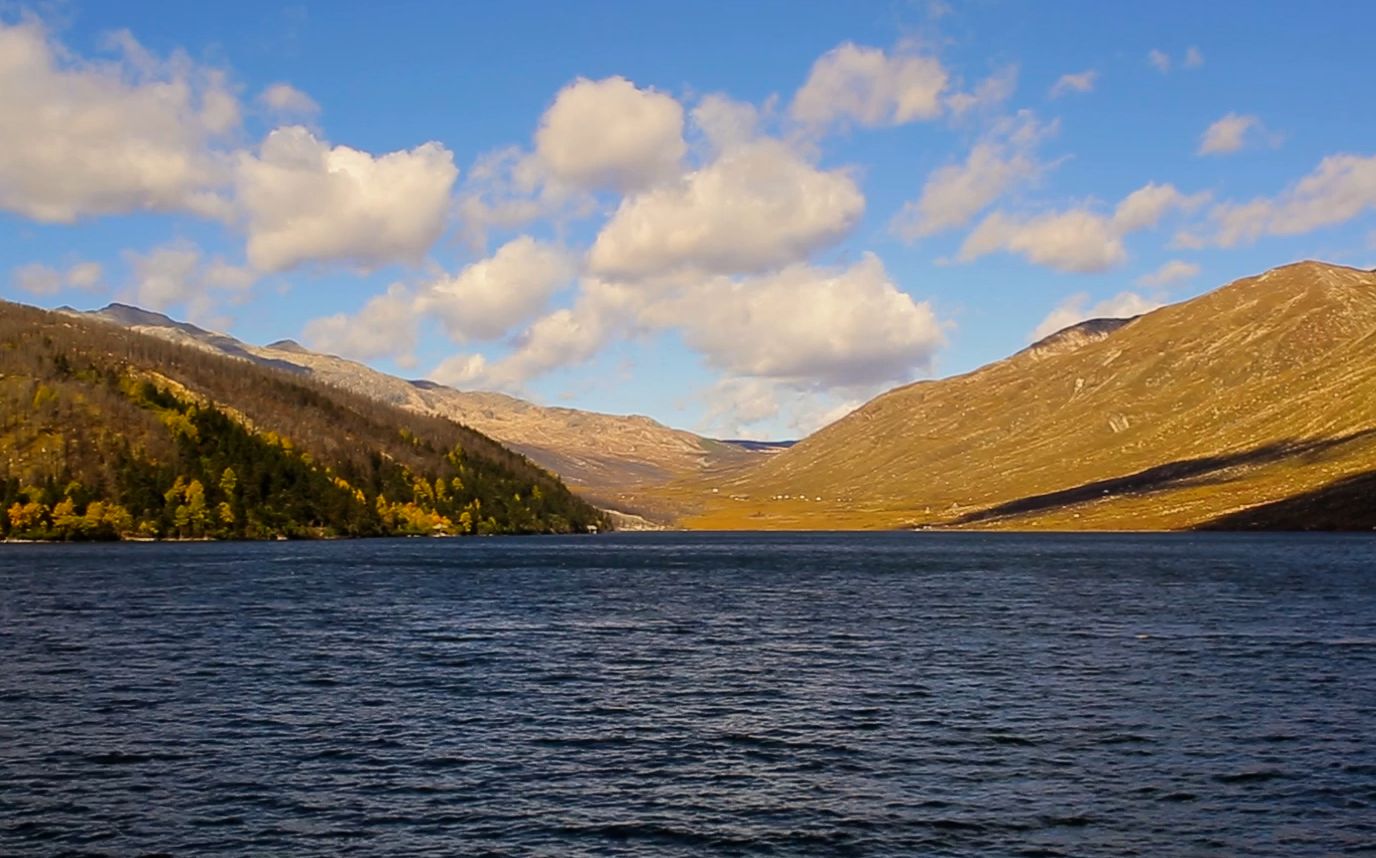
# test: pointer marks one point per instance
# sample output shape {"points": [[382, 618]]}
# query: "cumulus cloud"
{"points": [[725, 122], [955, 193], [756, 408], [756, 207], [179, 275], [85, 137], [818, 326], [611, 134], [39, 279], [1077, 308], [736, 403], [386, 326], [1170, 272], [85, 275], [1227, 134], [563, 338], [1339, 189], [1079, 239], [1146, 206], [1080, 82], [1076, 240], [990, 93], [305, 201], [1159, 60], [598, 135], [165, 276], [283, 98], [1194, 58], [871, 88], [488, 298], [807, 327]]}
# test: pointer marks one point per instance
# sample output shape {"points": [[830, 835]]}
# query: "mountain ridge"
{"points": [[106, 433], [607, 458], [1254, 392]]}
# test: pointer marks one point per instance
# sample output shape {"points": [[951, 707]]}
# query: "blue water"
{"points": [[894, 694]]}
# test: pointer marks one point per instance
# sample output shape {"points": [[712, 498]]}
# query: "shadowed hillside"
{"points": [[1260, 391], [106, 432]]}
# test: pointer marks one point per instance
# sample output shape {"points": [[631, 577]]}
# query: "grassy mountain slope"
{"points": [[105, 431], [1260, 391], [606, 458]]}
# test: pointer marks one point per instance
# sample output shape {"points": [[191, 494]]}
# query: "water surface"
{"points": [[894, 694]]}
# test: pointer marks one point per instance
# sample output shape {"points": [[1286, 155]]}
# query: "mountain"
{"points": [[106, 432], [1245, 407], [607, 458]]}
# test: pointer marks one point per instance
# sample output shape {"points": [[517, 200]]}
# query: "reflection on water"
{"points": [[690, 694]]}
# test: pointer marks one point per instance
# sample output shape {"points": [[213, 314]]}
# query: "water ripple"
{"points": [[864, 695]]}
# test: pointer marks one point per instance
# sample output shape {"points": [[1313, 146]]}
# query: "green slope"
{"points": [[108, 433]]}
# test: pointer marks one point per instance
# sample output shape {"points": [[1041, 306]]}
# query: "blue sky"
{"points": [[740, 219]]}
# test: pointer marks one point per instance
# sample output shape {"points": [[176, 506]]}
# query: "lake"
{"points": [[690, 694]]}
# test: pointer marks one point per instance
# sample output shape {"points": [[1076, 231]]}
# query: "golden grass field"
{"points": [[1261, 390]]}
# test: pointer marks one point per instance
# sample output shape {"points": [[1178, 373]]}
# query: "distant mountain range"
{"points": [[609, 459], [1251, 406]]}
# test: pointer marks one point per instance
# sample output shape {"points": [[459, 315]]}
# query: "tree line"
{"points": [[107, 433]]}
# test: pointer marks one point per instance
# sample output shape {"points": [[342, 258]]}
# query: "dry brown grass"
{"points": [[1257, 391]]}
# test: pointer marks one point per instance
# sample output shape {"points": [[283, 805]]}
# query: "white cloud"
{"points": [[563, 338], [955, 193], [37, 279], [1076, 309], [461, 371], [866, 86], [811, 326], [1074, 240], [1144, 207], [597, 135], [305, 201], [1081, 82], [1193, 58], [1227, 134], [386, 326], [736, 403], [1078, 239], [283, 98], [725, 122], [488, 298], [503, 192], [806, 327], [610, 134], [756, 207], [164, 276], [1171, 272], [1339, 189], [178, 274], [990, 93], [85, 275], [759, 409], [85, 138]]}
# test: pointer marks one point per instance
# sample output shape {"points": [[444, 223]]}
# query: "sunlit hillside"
{"points": [[1259, 392]]}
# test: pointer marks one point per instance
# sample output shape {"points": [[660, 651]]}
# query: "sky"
{"points": [[742, 219]]}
